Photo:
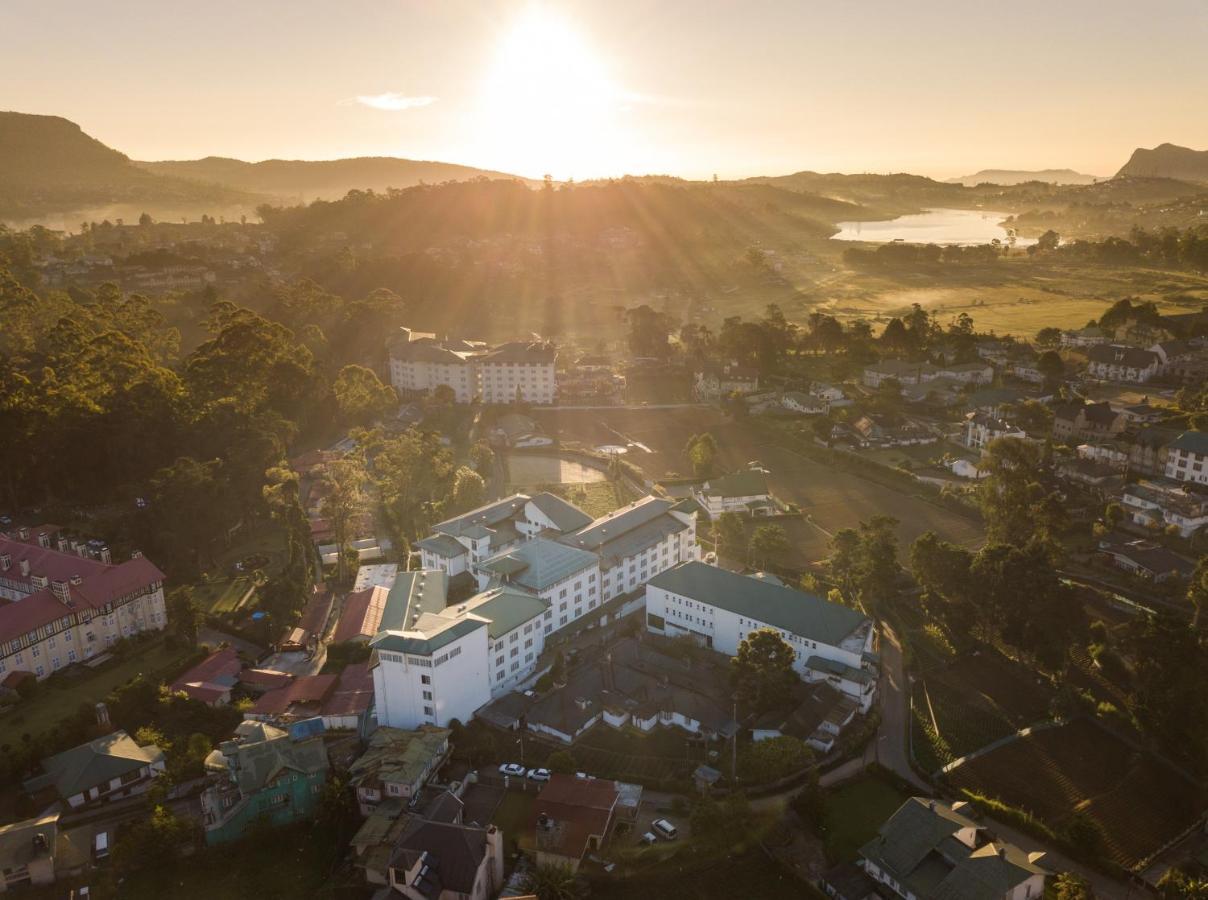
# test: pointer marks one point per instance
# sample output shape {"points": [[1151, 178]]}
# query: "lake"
{"points": [[935, 226]]}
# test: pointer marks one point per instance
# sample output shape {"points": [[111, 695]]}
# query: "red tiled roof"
{"points": [[361, 615], [305, 690], [579, 808], [99, 584], [353, 692], [212, 678]]}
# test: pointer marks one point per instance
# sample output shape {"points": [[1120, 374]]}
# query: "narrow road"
{"points": [[891, 747]]}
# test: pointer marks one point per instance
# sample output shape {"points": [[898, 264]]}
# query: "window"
{"points": [[425, 679], [428, 711], [499, 676], [515, 665], [427, 695], [515, 651], [499, 660]]}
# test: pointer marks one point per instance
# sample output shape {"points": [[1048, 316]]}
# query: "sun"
{"points": [[548, 104]]}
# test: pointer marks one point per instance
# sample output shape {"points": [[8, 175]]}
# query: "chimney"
{"points": [[136, 554], [61, 544], [6, 562], [76, 579], [23, 533], [102, 715], [44, 540], [106, 556], [1038, 857], [61, 591], [25, 568]]}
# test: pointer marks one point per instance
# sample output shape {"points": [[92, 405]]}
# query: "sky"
{"points": [[589, 89]]}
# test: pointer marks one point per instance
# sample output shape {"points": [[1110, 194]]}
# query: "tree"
{"points": [[361, 396], [1048, 241], [729, 535], [762, 671], [345, 500], [554, 882], [774, 758], [768, 543], [649, 330], [1197, 590], [723, 827], [1069, 886], [1048, 337], [1176, 884], [1113, 515], [183, 616], [701, 451], [561, 762], [1169, 671], [1052, 367], [443, 395], [151, 843], [469, 490], [1009, 497]]}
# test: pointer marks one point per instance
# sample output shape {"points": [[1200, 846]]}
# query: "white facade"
{"points": [[430, 688], [1187, 464], [427, 375], [535, 381]]}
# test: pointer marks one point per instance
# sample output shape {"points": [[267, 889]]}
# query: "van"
{"points": [[665, 829], [100, 845]]}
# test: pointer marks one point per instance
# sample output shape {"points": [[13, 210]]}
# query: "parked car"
{"points": [[512, 769], [664, 829], [538, 774], [647, 839], [583, 776]]}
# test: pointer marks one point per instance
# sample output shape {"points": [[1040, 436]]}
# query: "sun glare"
{"points": [[548, 103]]}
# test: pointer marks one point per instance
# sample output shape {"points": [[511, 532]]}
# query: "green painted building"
{"points": [[264, 772]]}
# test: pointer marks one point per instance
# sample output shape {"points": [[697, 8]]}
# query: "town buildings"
{"points": [[1113, 362], [101, 770], [1161, 504], [719, 609], [572, 816], [68, 606], [263, 772], [211, 680], [1187, 457], [712, 382], [981, 429], [445, 861], [929, 850], [397, 764], [29, 851]]}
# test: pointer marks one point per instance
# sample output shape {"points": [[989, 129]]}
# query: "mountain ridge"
{"points": [[1167, 161], [1012, 177]]}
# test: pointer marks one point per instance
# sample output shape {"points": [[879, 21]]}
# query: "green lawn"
{"points": [[855, 811], [596, 498], [222, 595], [60, 696]]}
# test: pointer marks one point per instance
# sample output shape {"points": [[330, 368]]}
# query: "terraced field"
{"points": [[1138, 801], [975, 700]]}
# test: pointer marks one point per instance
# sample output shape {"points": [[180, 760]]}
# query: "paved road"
{"points": [[891, 748]]}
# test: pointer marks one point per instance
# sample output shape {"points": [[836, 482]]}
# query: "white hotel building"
{"points": [[719, 609], [522, 370], [538, 565]]}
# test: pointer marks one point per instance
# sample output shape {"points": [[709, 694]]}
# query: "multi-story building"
{"points": [[1187, 457], [1162, 504], [262, 773], [746, 493], [712, 382], [1113, 362], [397, 764], [899, 370], [720, 608], [520, 371], [1078, 420], [538, 566], [981, 429], [68, 606]]}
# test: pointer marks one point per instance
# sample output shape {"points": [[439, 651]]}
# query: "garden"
{"points": [[1089, 788]]}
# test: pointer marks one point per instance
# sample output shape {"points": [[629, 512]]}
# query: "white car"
{"points": [[647, 840], [664, 829], [538, 774], [512, 769]]}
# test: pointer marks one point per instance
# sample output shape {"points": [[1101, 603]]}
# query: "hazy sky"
{"points": [[688, 87]]}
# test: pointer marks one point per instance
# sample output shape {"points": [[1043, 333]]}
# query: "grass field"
{"points": [[61, 696], [750, 875], [854, 812], [596, 498], [830, 498], [976, 700], [222, 595], [1138, 802]]}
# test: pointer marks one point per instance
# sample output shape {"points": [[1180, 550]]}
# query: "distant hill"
{"points": [[1168, 161], [1009, 177], [306, 180], [48, 164]]}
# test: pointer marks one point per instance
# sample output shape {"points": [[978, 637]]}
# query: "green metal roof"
{"points": [[842, 670], [399, 756], [506, 609], [1192, 441], [412, 594], [260, 752], [442, 545], [429, 636], [565, 515], [807, 615], [89, 765], [539, 563]]}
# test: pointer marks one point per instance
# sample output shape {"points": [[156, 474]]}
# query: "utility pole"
{"points": [[734, 744]]}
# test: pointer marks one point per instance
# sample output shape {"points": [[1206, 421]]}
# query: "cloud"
{"points": [[391, 101]]}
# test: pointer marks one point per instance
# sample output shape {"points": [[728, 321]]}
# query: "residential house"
{"points": [[833, 395], [443, 861], [719, 609], [518, 432], [397, 764], [818, 719], [67, 606], [1091, 336], [712, 382], [1187, 457], [981, 430], [1113, 362], [994, 400], [1145, 559], [341, 701], [1148, 449], [1142, 413], [878, 430], [940, 391], [1080, 421], [572, 816], [1026, 370], [804, 404], [898, 370], [211, 680], [104, 769], [1159, 505], [28, 852], [930, 850], [746, 493], [979, 373], [262, 773]]}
